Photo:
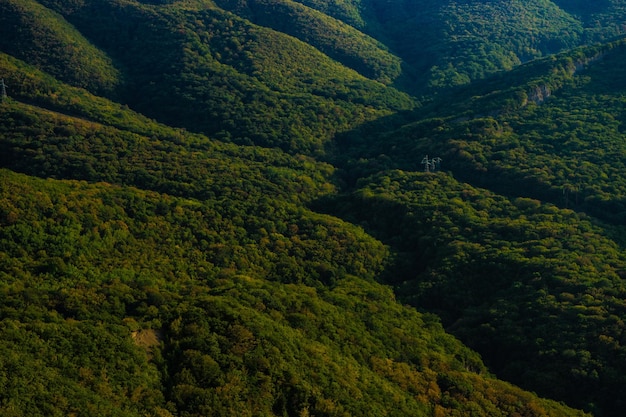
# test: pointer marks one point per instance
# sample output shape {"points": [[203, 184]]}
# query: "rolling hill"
{"points": [[221, 208], [187, 277], [524, 259]]}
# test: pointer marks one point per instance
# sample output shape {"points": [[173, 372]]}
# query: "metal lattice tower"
{"points": [[436, 163], [3, 91], [431, 165]]}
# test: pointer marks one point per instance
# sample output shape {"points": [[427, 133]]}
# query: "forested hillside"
{"points": [[531, 273], [195, 281], [329, 208], [236, 80]]}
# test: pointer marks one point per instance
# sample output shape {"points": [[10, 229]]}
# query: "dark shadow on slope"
{"points": [[583, 8]]}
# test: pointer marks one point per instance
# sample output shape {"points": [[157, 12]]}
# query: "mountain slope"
{"points": [[240, 272], [337, 40], [39, 36], [530, 273], [450, 43], [237, 81], [128, 301], [420, 46]]}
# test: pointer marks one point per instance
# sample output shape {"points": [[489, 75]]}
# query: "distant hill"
{"points": [[338, 40], [238, 81], [452, 43]]}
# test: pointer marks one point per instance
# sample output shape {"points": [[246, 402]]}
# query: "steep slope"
{"points": [[237, 81], [452, 43], [196, 55], [536, 287], [336, 39], [40, 37], [549, 130], [440, 44], [212, 290], [202, 262]]}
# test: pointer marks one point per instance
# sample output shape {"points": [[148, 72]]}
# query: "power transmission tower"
{"points": [[431, 165], [3, 91], [426, 163], [436, 163]]}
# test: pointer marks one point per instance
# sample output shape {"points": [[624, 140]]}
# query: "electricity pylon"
{"points": [[3, 91], [431, 165]]}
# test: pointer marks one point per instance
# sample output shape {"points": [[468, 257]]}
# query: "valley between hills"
{"points": [[312, 208]]}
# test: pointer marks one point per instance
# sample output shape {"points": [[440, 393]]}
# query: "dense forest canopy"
{"points": [[329, 208]]}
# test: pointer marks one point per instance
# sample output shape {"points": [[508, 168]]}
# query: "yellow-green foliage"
{"points": [[217, 241], [86, 268], [235, 80], [336, 39]]}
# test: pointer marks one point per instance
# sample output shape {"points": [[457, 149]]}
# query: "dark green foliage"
{"points": [[167, 255], [452, 43], [506, 277], [237, 81], [509, 272], [339, 41], [42, 38]]}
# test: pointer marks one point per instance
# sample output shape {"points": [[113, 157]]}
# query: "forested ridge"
{"points": [[329, 208], [215, 292]]}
